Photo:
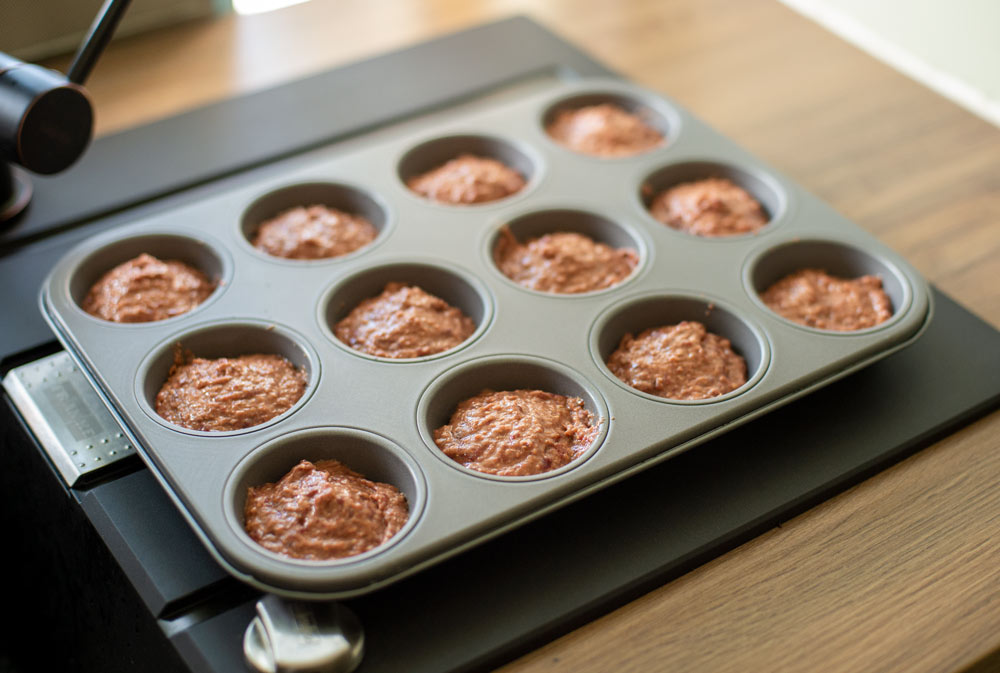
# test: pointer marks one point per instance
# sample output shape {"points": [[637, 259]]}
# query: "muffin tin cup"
{"points": [[375, 457], [225, 339], [338, 195], [596, 226], [435, 152], [445, 281], [104, 253], [503, 373], [636, 314], [651, 109], [838, 258], [773, 199], [523, 339]]}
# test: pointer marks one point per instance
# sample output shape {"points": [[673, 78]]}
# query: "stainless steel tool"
{"points": [[290, 636]]}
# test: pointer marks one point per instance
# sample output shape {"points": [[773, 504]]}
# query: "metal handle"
{"points": [[298, 637]]}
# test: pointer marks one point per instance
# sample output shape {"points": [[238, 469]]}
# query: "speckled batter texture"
{"points": [[604, 130], [404, 321], [814, 298], [323, 511], [680, 362], [146, 289], [468, 179], [563, 262], [710, 207], [229, 393], [314, 232], [517, 432]]}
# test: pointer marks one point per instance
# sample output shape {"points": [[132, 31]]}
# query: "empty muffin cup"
{"points": [[467, 170], [413, 328], [653, 311], [325, 530], [564, 393], [196, 254], [314, 221], [710, 199], [840, 260], [232, 340]]}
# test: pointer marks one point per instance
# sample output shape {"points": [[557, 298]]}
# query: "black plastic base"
{"points": [[69, 593]]}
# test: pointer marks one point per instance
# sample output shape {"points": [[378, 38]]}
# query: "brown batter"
{"points": [[316, 232], [229, 393], [604, 130], [816, 299], [517, 432], [468, 179], [323, 511], [563, 262], [680, 362], [404, 322], [710, 207], [146, 289]]}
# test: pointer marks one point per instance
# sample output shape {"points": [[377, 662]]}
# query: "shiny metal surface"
{"points": [[70, 421], [298, 637]]}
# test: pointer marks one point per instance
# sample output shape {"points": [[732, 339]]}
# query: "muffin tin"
{"points": [[377, 415]]}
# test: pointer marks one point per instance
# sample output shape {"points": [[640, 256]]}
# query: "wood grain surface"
{"points": [[902, 572]]}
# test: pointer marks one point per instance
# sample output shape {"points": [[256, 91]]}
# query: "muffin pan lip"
{"points": [[384, 232], [754, 257], [601, 413], [611, 89], [470, 279], [104, 241], [760, 335], [776, 220], [462, 510], [643, 248], [234, 518], [532, 183], [147, 362]]}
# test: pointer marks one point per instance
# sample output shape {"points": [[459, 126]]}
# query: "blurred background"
{"points": [[33, 30], [952, 47]]}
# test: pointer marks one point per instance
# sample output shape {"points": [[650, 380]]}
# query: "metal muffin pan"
{"points": [[378, 415]]}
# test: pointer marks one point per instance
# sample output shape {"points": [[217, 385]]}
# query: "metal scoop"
{"points": [[299, 637]]}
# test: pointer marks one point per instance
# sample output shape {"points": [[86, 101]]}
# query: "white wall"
{"points": [[952, 46]]}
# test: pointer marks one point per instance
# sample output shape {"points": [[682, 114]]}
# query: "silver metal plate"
{"points": [[69, 419]]}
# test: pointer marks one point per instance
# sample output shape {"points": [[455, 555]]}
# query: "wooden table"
{"points": [[900, 573]]}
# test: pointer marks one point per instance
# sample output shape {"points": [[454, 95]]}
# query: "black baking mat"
{"points": [[523, 588]]}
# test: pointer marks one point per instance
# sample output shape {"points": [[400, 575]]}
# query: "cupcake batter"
{"points": [[680, 362], [604, 130], [468, 179], [323, 511], [563, 262], [145, 289], [229, 393], [404, 322], [815, 298], [710, 207], [517, 432], [316, 232]]}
